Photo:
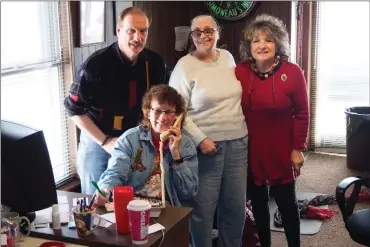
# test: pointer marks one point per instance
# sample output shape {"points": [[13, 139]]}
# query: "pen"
{"points": [[81, 206], [111, 196], [97, 188], [85, 205], [92, 201], [78, 206]]}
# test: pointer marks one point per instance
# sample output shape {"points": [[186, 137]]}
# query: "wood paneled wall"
{"points": [[166, 15]]}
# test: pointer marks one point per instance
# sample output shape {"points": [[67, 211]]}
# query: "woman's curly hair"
{"points": [[163, 94], [271, 26]]}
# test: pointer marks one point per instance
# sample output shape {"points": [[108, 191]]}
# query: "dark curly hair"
{"points": [[164, 94], [274, 28]]}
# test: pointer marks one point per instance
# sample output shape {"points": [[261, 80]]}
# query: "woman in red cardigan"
{"points": [[275, 106]]}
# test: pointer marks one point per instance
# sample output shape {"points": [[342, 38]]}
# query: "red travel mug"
{"points": [[122, 195]]}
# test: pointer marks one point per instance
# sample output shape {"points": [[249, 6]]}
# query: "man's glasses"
{"points": [[207, 32], [168, 113]]}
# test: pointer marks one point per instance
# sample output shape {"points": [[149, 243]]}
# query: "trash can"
{"points": [[358, 138]]}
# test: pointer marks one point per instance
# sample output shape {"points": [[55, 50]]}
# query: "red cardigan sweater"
{"points": [[277, 115]]}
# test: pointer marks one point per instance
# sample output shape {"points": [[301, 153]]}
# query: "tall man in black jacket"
{"points": [[105, 98]]}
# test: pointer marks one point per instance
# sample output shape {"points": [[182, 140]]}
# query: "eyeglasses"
{"points": [[207, 32], [168, 113]]}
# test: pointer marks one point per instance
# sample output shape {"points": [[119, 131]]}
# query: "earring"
{"points": [[277, 57]]}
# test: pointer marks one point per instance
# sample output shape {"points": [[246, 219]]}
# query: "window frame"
{"points": [[311, 22], [62, 59]]}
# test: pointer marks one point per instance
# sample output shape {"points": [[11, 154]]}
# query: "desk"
{"points": [[34, 242], [174, 219]]}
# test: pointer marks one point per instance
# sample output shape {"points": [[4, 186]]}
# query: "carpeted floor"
{"points": [[321, 173]]}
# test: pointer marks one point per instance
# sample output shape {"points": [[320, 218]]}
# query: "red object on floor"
{"points": [[122, 196], [52, 244], [250, 236], [363, 196], [10, 241], [320, 213]]}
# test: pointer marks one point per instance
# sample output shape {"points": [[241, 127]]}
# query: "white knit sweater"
{"points": [[212, 95]]}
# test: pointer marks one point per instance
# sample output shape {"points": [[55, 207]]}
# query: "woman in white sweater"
{"points": [[206, 79]]}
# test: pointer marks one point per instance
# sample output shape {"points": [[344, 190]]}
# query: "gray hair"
{"points": [[274, 28], [217, 26], [190, 40]]}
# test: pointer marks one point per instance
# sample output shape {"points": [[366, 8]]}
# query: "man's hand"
{"points": [[108, 146], [297, 159], [208, 147]]}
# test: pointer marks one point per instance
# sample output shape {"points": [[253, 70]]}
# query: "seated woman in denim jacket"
{"points": [[135, 158]]}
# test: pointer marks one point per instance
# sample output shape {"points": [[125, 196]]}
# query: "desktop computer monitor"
{"points": [[27, 180]]}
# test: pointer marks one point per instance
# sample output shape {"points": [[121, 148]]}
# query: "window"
{"points": [[33, 74], [293, 35], [342, 66]]}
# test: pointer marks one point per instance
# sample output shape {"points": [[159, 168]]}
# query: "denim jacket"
{"points": [[132, 159]]}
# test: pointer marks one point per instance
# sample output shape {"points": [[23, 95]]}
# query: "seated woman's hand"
{"points": [[208, 147], [175, 140], [101, 200]]}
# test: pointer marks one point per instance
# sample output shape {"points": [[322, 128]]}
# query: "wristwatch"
{"points": [[178, 162], [105, 141]]}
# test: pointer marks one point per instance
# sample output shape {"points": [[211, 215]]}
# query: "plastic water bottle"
{"points": [[56, 217]]}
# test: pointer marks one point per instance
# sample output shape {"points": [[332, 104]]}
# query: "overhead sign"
{"points": [[230, 10]]}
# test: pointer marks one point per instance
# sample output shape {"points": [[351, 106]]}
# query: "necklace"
{"points": [[217, 56], [264, 75], [212, 61]]}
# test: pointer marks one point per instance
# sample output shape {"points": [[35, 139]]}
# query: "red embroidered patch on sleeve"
{"points": [[75, 98]]}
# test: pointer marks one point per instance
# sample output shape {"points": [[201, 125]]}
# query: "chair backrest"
{"points": [[346, 206]]}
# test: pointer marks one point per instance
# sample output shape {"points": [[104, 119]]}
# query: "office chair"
{"points": [[357, 222]]}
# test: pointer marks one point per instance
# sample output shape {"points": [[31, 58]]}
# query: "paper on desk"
{"points": [[155, 228], [109, 206], [63, 209], [154, 212], [106, 219], [62, 200], [112, 218], [109, 216], [103, 222]]}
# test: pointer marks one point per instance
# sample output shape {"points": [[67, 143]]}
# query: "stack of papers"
{"points": [[44, 216], [154, 212], [108, 219]]}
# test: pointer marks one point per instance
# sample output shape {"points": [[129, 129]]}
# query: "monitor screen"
{"points": [[27, 180]]}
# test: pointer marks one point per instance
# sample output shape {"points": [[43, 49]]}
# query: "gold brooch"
{"points": [[284, 77]]}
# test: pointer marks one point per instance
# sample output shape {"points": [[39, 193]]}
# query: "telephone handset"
{"points": [[164, 136]]}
